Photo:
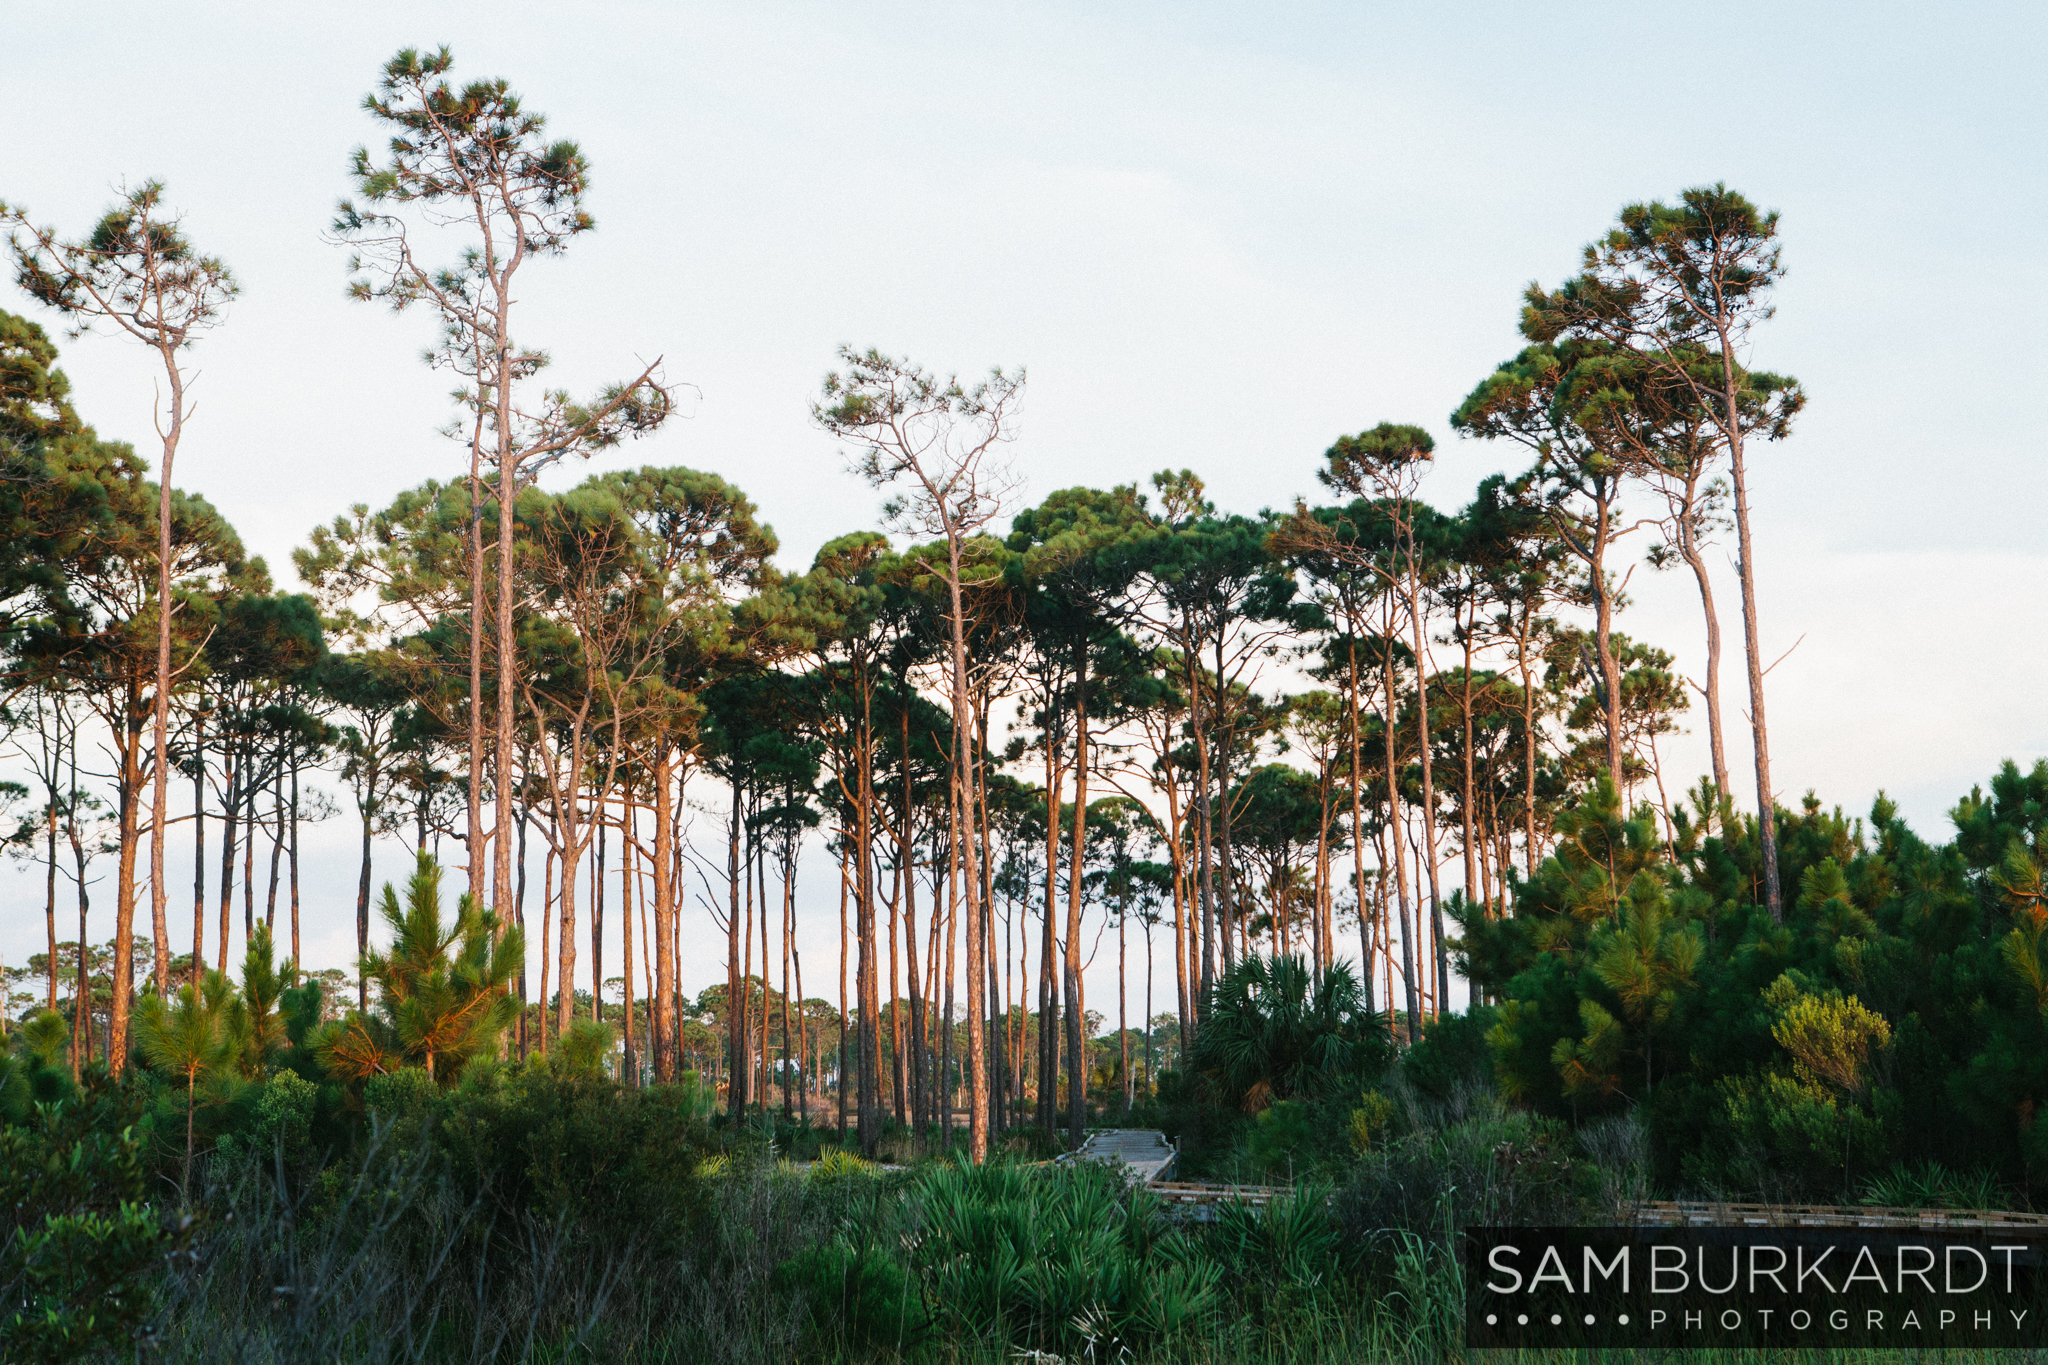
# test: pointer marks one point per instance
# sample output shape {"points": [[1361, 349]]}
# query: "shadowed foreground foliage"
{"points": [[251, 1191]]}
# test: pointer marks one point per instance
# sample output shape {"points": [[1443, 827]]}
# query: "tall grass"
{"points": [[399, 1254]]}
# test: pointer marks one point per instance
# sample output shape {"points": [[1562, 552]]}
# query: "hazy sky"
{"points": [[1218, 236]]}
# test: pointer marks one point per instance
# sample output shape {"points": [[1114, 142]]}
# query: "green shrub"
{"points": [[1282, 1135], [1452, 1055], [1475, 1162], [79, 1244], [856, 1296], [32, 1067], [408, 1092], [280, 1120], [1370, 1122]]}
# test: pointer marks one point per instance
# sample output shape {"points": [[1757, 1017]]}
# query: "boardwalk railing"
{"points": [[1151, 1158], [1201, 1192], [1696, 1213], [1699, 1214]]}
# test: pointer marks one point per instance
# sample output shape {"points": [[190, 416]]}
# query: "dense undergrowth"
{"points": [[665, 1240], [539, 1214], [250, 1191]]}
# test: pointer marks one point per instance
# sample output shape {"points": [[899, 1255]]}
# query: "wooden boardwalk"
{"points": [[1700, 1214], [1201, 1192], [1150, 1158], [1144, 1150]]}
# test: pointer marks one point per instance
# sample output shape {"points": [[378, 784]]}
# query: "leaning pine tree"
{"points": [[137, 272], [1679, 285], [475, 161]]}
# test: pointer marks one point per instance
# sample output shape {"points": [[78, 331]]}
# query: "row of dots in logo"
{"points": [[1522, 1319]]}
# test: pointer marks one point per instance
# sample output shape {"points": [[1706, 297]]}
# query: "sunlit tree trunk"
{"points": [[1354, 682], [128, 794], [597, 885], [547, 905], [1048, 954], [662, 1004], [630, 1061], [198, 861], [231, 809], [1394, 821], [843, 1056], [1418, 623], [1077, 1042]]}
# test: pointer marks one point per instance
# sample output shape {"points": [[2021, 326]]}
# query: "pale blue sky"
{"points": [[1218, 236]]}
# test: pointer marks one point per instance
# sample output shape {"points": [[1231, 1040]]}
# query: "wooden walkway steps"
{"points": [[1144, 1150]]}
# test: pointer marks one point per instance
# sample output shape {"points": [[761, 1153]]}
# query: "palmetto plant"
{"points": [[442, 987], [1278, 1030], [1932, 1185], [1067, 1261]]}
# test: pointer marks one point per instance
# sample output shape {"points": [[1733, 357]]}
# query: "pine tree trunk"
{"points": [[735, 1026], [1181, 957], [519, 910], [1530, 849], [662, 1007], [1048, 955], [565, 928], [899, 1063], [1226, 896], [629, 1062], [978, 814], [50, 899], [474, 807], [82, 1026], [947, 1040], [1428, 813], [129, 795], [1710, 689], [964, 826], [788, 942], [547, 907], [1358, 823], [508, 673], [231, 811], [1766, 804], [250, 789], [1603, 643], [198, 861], [293, 855], [1123, 1023], [1077, 1043], [1394, 837], [1205, 825], [160, 719], [870, 1041], [844, 1057], [796, 959], [914, 1061], [597, 885], [277, 838], [1467, 796]]}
